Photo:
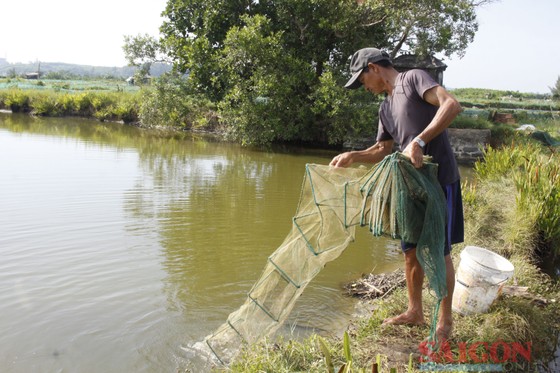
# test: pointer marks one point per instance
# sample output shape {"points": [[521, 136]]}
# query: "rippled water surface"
{"points": [[119, 246]]}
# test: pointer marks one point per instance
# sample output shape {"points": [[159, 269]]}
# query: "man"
{"points": [[415, 114]]}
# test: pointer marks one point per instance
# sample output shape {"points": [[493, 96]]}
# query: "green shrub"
{"points": [[499, 132], [17, 101], [68, 104], [3, 95], [83, 104], [344, 115], [169, 101], [58, 86], [463, 121], [101, 102], [127, 111], [46, 104]]}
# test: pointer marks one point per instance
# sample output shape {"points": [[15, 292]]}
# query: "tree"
{"points": [[12, 73], [427, 27], [276, 67], [318, 32], [142, 49]]}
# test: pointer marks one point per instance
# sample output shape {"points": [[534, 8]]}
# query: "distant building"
{"points": [[32, 75], [430, 64]]}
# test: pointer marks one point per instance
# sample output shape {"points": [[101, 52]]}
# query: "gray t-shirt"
{"points": [[404, 115]]}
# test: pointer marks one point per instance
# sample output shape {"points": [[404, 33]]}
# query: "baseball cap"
{"points": [[359, 62]]}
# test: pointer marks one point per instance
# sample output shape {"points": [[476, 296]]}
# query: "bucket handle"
{"points": [[461, 282], [468, 286]]}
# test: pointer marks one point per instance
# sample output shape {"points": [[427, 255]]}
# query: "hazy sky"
{"points": [[516, 48], [81, 32]]}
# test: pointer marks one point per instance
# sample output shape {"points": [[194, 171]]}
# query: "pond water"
{"points": [[120, 246]]}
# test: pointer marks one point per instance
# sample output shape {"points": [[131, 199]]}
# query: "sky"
{"points": [[517, 46], [80, 32]]}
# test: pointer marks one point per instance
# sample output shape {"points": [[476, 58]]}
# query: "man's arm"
{"points": [[373, 154], [448, 109]]}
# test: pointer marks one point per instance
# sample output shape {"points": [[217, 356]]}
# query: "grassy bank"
{"points": [[102, 105], [162, 104], [511, 207], [168, 101]]}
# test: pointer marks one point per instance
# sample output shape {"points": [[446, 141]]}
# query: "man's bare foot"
{"points": [[406, 318], [443, 330]]}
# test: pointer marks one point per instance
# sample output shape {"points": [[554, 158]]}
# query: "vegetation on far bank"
{"points": [[511, 207], [56, 83], [169, 101], [160, 104], [115, 106]]}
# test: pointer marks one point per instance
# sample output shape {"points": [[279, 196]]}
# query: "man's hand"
{"points": [[342, 160], [415, 153], [373, 154]]}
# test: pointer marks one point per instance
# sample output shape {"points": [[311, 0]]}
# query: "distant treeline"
{"points": [[479, 94], [59, 70]]}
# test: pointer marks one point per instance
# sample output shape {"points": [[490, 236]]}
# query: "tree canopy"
{"points": [[275, 67]]}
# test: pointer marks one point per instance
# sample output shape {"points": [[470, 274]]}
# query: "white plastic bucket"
{"points": [[479, 277]]}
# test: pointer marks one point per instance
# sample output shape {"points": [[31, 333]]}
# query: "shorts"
{"points": [[455, 224]]}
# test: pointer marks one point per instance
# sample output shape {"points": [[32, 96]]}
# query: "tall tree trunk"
{"points": [[403, 38]]}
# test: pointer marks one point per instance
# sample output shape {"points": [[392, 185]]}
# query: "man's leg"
{"points": [[445, 322], [414, 279]]}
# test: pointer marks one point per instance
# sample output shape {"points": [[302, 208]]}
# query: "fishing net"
{"points": [[393, 198]]}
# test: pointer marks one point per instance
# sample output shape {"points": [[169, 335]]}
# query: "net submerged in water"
{"points": [[392, 198]]}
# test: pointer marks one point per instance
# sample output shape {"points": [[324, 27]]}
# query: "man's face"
{"points": [[371, 80]]}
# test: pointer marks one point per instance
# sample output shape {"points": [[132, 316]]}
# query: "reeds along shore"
{"points": [[116, 106]]}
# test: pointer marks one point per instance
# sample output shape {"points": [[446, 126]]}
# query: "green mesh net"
{"points": [[393, 198]]}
